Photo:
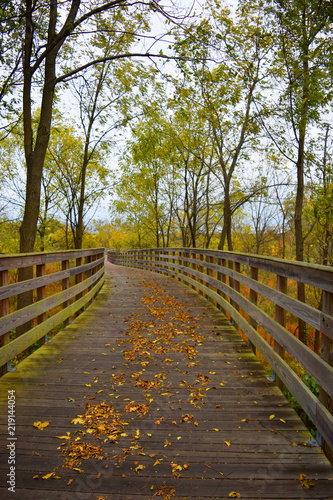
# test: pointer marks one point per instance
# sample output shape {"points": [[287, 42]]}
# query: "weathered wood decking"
{"points": [[169, 402]]}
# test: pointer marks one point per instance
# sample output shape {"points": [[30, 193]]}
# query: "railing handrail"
{"points": [[217, 275], [291, 269], [73, 298]]}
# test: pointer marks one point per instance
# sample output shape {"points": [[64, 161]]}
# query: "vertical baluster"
{"points": [[254, 300], [185, 264], [41, 294], [79, 279], [280, 317], [65, 285], [4, 310], [210, 273], [222, 277], [195, 268]]}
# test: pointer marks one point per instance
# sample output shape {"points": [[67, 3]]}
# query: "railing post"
{"points": [[65, 285], [185, 263], [222, 277], [4, 310], [327, 355], [79, 279], [210, 273], [202, 270], [280, 317], [195, 268], [254, 300], [41, 294]]}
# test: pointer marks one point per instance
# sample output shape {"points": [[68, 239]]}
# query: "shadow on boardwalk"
{"points": [[151, 393]]}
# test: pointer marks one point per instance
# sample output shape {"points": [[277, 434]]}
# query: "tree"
{"points": [[63, 176], [303, 28], [229, 89]]}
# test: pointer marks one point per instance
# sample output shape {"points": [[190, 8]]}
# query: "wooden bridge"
{"points": [[153, 390]]}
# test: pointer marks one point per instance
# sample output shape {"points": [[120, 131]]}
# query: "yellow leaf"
{"points": [[212, 373], [70, 481], [88, 385], [233, 494], [306, 483], [148, 434], [104, 353], [179, 437], [41, 425], [48, 475], [99, 391], [78, 420], [80, 471], [167, 443], [196, 424], [227, 443], [63, 437], [215, 429], [156, 463], [271, 417], [86, 373], [281, 420], [139, 467]]}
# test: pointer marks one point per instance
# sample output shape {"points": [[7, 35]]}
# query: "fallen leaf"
{"points": [[234, 494], [41, 425], [306, 483], [48, 475], [139, 467], [227, 443], [271, 417], [281, 420]]}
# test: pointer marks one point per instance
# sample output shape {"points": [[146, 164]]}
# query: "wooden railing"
{"points": [[78, 284], [237, 283]]}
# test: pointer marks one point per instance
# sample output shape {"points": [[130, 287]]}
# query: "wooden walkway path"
{"points": [[152, 394]]}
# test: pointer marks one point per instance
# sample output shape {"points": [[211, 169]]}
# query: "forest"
{"points": [[148, 124]]}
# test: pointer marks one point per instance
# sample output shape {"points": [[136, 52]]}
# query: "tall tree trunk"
{"points": [[300, 175], [226, 231], [34, 154]]}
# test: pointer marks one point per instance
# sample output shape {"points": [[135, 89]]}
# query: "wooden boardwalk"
{"points": [[152, 394]]}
